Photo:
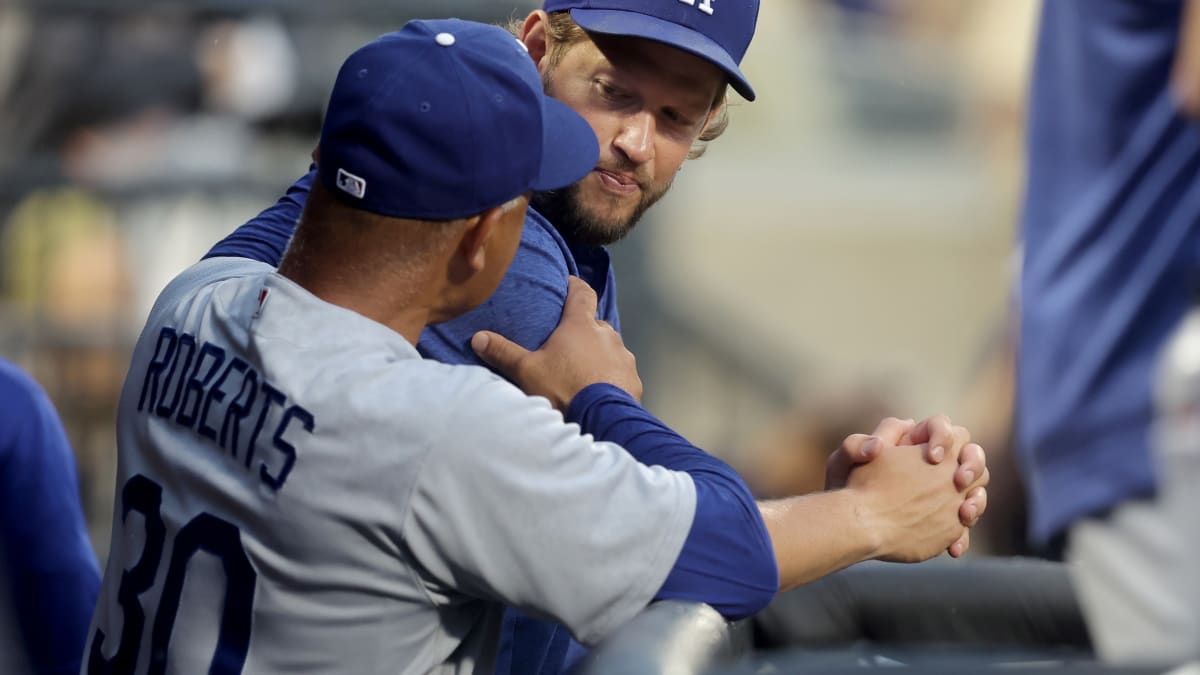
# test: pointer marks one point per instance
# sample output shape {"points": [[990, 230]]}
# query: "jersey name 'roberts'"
{"points": [[208, 390]]}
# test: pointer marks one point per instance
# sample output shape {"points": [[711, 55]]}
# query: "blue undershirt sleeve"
{"points": [[265, 237], [728, 560], [52, 571]]}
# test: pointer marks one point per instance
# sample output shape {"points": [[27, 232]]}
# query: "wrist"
{"points": [[866, 527]]}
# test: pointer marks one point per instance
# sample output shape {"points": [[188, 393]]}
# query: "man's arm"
{"points": [[265, 237], [51, 568], [896, 508], [893, 508]]}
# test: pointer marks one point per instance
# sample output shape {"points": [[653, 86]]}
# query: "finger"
{"points": [[973, 507], [926, 429], [581, 300], [859, 448], [891, 431], [499, 352], [917, 434], [959, 547], [939, 434], [972, 463], [856, 449]]}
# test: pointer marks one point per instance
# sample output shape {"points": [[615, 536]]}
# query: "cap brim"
{"points": [[569, 147], [635, 24]]}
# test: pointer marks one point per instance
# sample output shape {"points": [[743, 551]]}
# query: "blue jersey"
{"points": [[526, 308], [46, 559], [1111, 231]]}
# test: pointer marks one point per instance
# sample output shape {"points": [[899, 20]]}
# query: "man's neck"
{"points": [[397, 305]]}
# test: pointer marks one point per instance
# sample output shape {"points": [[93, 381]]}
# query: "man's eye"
{"points": [[608, 91], [675, 117]]}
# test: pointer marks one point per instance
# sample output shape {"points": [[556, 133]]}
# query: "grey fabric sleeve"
{"points": [[513, 504]]}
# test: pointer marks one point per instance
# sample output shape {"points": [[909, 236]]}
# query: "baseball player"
{"points": [[1111, 230], [650, 76], [50, 571], [300, 491]]}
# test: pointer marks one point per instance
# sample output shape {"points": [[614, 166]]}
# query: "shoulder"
{"points": [[29, 422], [526, 306], [22, 397], [204, 274], [214, 270], [541, 240], [476, 403], [458, 390]]}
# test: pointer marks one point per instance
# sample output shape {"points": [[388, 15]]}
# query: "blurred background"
{"points": [[843, 253]]}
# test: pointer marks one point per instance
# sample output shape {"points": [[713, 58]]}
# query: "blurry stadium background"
{"points": [[844, 252]]}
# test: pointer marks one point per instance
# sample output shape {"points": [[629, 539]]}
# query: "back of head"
{"points": [[718, 31], [443, 120]]}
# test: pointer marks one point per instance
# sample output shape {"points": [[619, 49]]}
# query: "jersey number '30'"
{"points": [[205, 532]]}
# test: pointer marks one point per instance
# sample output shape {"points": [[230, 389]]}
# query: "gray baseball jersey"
{"points": [[299, 491]]}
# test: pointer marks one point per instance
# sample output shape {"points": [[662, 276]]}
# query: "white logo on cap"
{"points": [[444, 39], [705, 6], [351, 184]]}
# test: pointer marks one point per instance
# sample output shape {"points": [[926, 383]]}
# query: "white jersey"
{"points": [[300, 492]]}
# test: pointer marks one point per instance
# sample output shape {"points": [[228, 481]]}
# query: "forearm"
{"points": [[726, 560], [817, 534], [265, 237]]}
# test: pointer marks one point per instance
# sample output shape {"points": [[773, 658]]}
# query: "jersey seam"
{"points": [[404, 518]]}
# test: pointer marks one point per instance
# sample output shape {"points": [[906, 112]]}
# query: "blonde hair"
{"points": [[563, 33]]}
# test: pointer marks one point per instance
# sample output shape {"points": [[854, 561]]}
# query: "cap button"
{"points": [[444, 39]]}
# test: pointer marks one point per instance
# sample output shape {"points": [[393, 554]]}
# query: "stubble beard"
{"points": [[566, 210]]}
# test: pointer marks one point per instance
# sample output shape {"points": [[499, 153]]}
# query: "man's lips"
{"points": [[621, 183]]}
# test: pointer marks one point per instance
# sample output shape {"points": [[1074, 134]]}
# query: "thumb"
{"points": [[499, 352], [581, 300], [856, 449]]}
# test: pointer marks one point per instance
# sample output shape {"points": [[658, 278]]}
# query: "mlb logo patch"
{"points": [[351, 184]]}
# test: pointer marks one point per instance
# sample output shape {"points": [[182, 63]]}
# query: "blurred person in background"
{"points": [[788, 456], [50, 572], [118, 126], [1111, 237]]}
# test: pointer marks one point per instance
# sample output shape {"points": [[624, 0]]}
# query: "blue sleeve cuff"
{"points": [[728, 560]]}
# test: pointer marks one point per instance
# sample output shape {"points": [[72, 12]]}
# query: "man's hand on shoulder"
{"points": [[581, 351]]}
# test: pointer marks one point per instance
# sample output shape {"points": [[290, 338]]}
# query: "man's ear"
{"points": [[716, 112], [535, 36], [478, 236]]}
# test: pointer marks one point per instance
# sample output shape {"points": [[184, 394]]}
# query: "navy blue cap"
{"points": [[446, 119], [718, 31]]}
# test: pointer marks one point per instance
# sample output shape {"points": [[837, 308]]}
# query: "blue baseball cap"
{"points": [[446, 119], [718, 31]]}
